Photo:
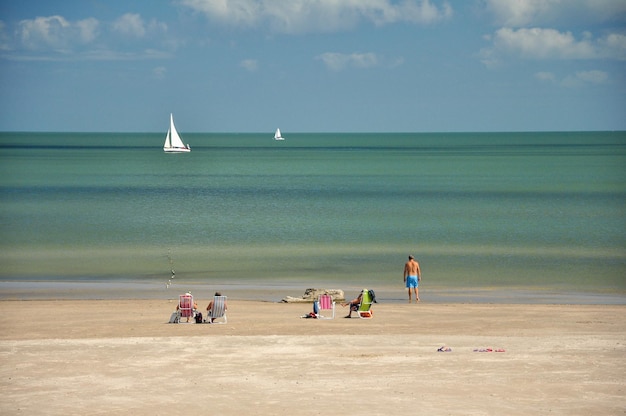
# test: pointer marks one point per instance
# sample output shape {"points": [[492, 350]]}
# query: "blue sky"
{"points": [[313, 65]]}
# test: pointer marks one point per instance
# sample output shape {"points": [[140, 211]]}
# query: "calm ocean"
{"points": [[512, 211]]}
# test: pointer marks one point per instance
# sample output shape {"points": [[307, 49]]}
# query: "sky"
{"points": [[312, 65]]}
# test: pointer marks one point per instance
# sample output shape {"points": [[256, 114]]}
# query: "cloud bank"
{"points": [[520, 13], [306, 16], [55, 32], [537, 43], [56, 38], [523, 35]]}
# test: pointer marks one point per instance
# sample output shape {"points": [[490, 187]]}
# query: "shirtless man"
{"points": [[412, 277], [354, 304]]}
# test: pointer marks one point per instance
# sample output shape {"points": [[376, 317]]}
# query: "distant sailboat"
{"points": [[277, 135], [173, 142]]}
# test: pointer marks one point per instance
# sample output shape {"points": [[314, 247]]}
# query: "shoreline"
{"points": [[275, 291]]}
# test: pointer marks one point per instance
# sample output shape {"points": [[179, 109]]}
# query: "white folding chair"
{"points": [[217, 314]]}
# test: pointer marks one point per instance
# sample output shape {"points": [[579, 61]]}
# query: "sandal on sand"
{"points": [[489, 350], [444, 348]]}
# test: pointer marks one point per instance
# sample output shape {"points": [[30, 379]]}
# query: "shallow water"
{"points": [[522, 210]]}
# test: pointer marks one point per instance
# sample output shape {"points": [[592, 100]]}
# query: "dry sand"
{"points": [[113, 357]]}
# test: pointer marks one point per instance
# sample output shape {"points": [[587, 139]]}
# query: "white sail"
{"points": [[173, 142], [277, 135], [167, 143]]}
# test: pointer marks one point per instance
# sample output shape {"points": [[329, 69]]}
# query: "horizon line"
{"points": [[310, 132]]}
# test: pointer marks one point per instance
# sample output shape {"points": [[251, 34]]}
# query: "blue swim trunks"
{"points": [[411, 281]]}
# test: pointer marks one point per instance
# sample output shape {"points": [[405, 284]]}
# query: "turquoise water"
{"points": [[525, 210]]}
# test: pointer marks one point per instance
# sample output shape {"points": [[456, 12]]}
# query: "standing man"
{"points": [[412, 277]]}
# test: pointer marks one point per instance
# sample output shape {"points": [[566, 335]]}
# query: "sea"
{"points": [[535, 217]]}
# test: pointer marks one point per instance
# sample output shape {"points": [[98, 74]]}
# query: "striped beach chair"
{"points": [[325, 303], [217, 314], [185, 308]]}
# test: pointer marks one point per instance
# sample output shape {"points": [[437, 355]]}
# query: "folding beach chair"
{"points": [[325, 303], [185, 307], [218, 311], [365, 308]]}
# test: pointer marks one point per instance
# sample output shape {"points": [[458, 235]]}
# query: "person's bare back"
{"points": [[412, 268]]}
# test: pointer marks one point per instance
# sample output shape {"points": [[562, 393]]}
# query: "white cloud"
{"points": [[583, 78], [577, 80], [133, 25], [88, 29], [159, 72], [538, 43], [520, 13], [130, 24], [338, 61], [614, 45], [249, 64], [4, 39], [517, 13], [545, 76], [116, 55], [43, 31], [55, 32], [593, 77], [234, 11], [301, 16], [55, 38], [542, 43]]}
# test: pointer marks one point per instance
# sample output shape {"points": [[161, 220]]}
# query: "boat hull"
{"points": [[176, 150]]}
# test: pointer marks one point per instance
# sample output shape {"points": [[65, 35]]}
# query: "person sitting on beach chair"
{"points": [[217, 309], [362, 304], [354, 304], [186, 307]]}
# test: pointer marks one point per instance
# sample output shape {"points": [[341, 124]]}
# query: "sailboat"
{"points": [[173, 142], [277, 135]]}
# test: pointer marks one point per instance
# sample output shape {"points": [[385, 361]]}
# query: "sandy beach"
{"points": [[110, 357]]}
